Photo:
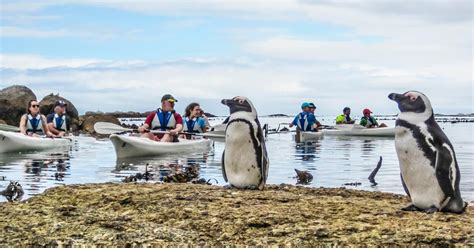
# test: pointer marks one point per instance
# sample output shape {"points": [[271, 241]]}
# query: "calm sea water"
{"points": [[333, 161]]}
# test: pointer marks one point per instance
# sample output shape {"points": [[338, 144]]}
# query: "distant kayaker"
{"points": [[312, 109], [369, 121], [305, 121], [33, 123], [345, 118], [164, 119], [192, 121], [58, 121]]}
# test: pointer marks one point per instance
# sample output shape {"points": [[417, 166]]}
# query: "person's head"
{"points": [[167, 102], [347, 111], [33, 107], [305, 107], [312, 107], [60, 107], [366, 112], [193, 110]]}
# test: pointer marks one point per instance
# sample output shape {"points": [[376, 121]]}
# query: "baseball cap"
{"points": [[346, 108], [311, 105], [60, 103], [305, 105], [366, 111], [168, 98]]}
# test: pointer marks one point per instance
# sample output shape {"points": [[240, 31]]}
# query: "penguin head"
{"points": [[240, 104], [412, 101]]}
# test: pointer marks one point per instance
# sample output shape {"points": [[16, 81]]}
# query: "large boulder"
{"points": [[14, 103], [88, 121], [47, 107]]}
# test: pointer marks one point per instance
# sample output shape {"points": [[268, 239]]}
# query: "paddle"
{"points": [[5, 127], [111, 128]]}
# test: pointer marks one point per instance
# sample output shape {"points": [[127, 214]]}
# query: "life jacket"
{"points": [[59, 122], [34, 124], [303, 123], [163, 121], [370, 121], [189, 125]]}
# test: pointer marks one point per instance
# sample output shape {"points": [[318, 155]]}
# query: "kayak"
{"points": [[17, 142], [133, 146], [301, 137], [358, 130]]}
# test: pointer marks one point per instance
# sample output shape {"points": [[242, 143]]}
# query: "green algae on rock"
{"points": [[172, 214]]}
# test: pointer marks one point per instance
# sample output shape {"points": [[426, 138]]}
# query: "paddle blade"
{"points": [[5, 127], [109, 128]]}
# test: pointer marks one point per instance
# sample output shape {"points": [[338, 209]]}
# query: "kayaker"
{"points": [[33, 123], [193, 122], [58, 121], [165, 119], [345, 118], [305, 121], [312, 109], [369, 121]]}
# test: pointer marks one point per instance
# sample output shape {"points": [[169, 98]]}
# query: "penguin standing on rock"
{"points": [[429, 170], [245, 160]]}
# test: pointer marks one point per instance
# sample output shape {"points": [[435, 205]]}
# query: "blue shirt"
{"points": [[305, 121]]}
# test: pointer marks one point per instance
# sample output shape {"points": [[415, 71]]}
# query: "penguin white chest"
{"points": [[240, 158], [418, 174]]}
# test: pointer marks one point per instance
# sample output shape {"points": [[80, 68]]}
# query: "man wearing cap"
{"points": [[305, 120], [164, 119], [345, 118], [369, 121], [312, 108], [58, 121]]}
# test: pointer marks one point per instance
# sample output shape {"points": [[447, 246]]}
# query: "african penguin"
{"points": [[245, 160], [429, 170]]}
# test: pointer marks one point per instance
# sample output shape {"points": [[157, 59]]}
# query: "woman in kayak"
{"points": [[193, 121], [34, 123], [369, 121], [164, 119]]}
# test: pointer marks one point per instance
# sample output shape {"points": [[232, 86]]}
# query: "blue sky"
{"points": [[109, 55]]}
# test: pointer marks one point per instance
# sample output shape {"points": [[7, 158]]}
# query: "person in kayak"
{"points": [[345, 118], [305, 121], [312, 109], [165, 119], [369, 121], [33, 123], [58, 121], [203, 115], [193, 122]]}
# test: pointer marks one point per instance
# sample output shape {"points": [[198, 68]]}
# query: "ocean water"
{"points": [[333, 161]]}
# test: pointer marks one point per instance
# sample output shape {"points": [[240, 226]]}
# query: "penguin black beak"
{"points": [[227, 101], [395, 97]]}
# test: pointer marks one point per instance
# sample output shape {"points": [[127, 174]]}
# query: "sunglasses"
{"points": [[35, 106]]}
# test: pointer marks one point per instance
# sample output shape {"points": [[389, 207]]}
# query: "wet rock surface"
{"points": [[176, 214], [13, 103], [88, 121]]}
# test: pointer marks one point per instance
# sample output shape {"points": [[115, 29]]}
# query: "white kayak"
{"points": [[301, 137], [17, 142], [358, 130], [133, 146]]}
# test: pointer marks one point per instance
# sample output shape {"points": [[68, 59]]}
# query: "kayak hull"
{"points": [[17, 142], [132, 146], [301, 137], [356, 130]]}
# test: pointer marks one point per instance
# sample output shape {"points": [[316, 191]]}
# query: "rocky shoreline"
{"points": [[177, 214]]}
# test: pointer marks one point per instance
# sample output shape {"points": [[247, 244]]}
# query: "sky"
{"points": [[124, 55]]}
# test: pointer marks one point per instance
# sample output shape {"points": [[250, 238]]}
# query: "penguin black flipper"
{"points": [[262, 155], [443, 173], [223, 166]]}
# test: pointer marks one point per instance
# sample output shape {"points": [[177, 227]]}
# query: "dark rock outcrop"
{"points": [[47, 107], [14, 102], [88, 121]]}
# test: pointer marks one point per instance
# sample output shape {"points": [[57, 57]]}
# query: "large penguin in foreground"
{"points": [[245, 160], [429, 170]]}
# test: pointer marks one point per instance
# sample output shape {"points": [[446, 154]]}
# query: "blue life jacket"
{"points": [[34, 124], [163, 121], [189, 125], [303, 123]]}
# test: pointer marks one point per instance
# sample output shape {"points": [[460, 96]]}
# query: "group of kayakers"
{"points": [[55, 124], [306, 119]]}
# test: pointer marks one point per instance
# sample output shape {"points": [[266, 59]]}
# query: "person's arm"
{"points": [[203, 125], [147, 123], [363, 122], [50, 119], [179, 125], [23, 121], [294, 122], [46, 128]]}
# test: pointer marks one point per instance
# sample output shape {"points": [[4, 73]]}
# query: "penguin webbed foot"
{"points": [[411, 207], [228, 186], [431, 210]]}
